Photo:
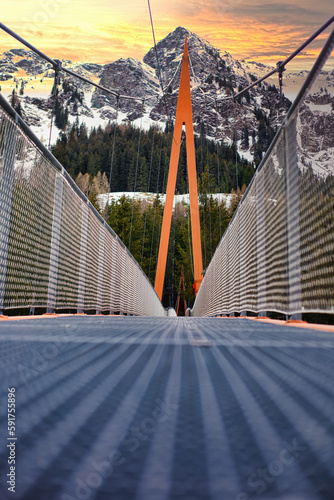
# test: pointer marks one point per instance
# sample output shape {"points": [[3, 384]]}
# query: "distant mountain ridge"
{"points": [[215, 76]]}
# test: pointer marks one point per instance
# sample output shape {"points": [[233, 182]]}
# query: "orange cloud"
{"points": [[105, 31]]}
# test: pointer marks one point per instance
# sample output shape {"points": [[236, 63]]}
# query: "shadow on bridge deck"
{"points": [[170, 408]]}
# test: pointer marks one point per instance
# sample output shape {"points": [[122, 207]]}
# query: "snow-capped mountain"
{"points": [[316, 133], [215, 76]]}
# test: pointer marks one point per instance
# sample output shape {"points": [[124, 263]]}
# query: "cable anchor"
{"points": [[57, 68], [280, 68]]}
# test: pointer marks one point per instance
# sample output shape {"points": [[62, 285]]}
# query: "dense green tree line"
{"points": [[138, 224], [143, 221], [90, 152]]}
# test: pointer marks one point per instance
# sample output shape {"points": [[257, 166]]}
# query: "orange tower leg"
{"points": [[183, 116]]}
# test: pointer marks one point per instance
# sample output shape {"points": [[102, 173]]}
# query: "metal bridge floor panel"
{"points": [[122, 408]]}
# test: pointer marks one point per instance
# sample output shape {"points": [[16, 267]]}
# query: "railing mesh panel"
{"points": [[316, 202], [69, 250], [56, 252], [275, 229], [30, 207], [277, 253]]}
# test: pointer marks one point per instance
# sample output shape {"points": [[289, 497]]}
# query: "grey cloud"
{"points": [[278, 13]]}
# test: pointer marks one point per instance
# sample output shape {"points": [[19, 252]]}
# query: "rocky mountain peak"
{"points": [[170, 50], [215, 75]]}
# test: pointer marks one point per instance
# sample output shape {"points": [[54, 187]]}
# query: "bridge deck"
{"points": [[171, 408]]}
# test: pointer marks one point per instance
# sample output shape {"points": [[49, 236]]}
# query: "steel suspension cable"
{"points": [[157, 56], [203, 207], [189, 238], [57, 64], [112, 158], [148, 190], [155, 209], [51, 123], [196, 78], [218, 175], [172, 79], [159, 70], [236, 151], [281, 64], [173, 254], [189, 245], [209, 200], [136, 173], [53, 107], [161, 218]]}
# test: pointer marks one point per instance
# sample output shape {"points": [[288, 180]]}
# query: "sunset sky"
{"points": [[105, 30]]}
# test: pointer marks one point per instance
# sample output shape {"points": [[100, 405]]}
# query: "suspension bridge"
{"points": [[119, 398]]}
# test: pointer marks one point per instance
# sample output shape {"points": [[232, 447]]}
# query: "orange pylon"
{"points": [[183, 116]]}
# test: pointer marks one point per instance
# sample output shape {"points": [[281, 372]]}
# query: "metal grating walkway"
{"points": [[120, 408]]}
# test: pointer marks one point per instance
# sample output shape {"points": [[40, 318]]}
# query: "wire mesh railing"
{"points": [[278, 252], [56, 251]]}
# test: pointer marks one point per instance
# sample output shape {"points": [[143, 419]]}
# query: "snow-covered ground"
{"points": [[96, 120], [320, 108], [145, 123], [150, 197]]}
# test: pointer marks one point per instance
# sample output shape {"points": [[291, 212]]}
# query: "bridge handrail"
{"points": [[220, 292], [15, 135], [280, 66], [57, 65]]}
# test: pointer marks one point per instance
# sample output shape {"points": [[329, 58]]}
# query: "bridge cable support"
{"points": [[57, 64], [136, 173], [173, 77], [57, 68], [157, 57], [112, 157], [282, 64], [218, 173], [235, 142], [183, 116], [148, 190]]}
